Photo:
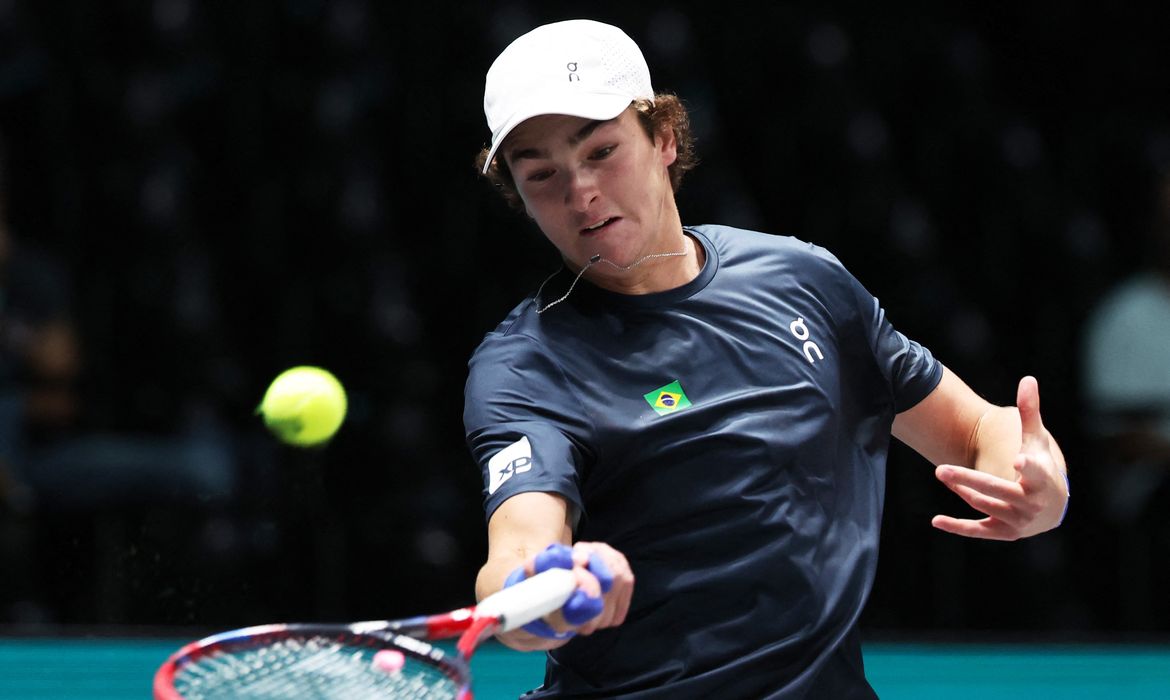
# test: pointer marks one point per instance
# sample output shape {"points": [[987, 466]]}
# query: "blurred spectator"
{"points": [[39, 364], [44, 456], [39, 355], [60, 484], [1127, 355], [1127, 391]]}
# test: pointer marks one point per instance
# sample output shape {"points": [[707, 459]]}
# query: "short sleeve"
{"points": [[523, 425], [909, 369]]}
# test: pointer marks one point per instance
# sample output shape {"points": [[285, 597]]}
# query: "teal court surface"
{"points": [[118, 668]]}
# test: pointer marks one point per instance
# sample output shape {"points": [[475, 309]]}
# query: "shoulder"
{"points": [[739, 245], [514, 353], [779, 265], [789, 268], [518, 330], [511, 343]]}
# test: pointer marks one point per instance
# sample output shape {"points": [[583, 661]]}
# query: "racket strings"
{"points": [[312, 668]]}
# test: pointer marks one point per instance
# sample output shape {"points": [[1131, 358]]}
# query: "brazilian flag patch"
{"points": [[668, 399]]}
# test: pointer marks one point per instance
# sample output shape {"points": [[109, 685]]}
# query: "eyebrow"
{"points": [[582, 134]]}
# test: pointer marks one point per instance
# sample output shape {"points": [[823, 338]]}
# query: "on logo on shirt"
{"points": [[513, 459]]}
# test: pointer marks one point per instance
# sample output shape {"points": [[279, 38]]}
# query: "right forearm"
{"points": [[492, 575], [519, 529]]}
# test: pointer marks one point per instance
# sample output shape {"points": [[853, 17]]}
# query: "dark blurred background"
{"points": [[198, 195]]}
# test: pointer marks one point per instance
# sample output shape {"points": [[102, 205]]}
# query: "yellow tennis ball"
{"points": [[304, 406]]}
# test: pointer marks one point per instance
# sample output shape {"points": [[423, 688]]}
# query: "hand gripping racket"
{"points": [[385, 659]]}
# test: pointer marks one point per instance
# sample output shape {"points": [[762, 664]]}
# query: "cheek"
{"points": [[535, 205], [637, 179], [621, 177], [542, 214]]}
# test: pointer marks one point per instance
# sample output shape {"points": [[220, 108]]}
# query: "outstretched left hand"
{"points": [[1034, 502]]}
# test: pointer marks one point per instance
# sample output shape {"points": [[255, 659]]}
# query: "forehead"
{"points": [[554, 130]]}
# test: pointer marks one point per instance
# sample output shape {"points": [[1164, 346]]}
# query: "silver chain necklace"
{"points": [[596, 259]]}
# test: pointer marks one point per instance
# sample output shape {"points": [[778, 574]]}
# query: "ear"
{"points": [[667, 146]]}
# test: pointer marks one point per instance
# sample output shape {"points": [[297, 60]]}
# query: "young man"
{"points": [[703, 408]]}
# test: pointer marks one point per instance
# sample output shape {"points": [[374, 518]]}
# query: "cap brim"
{"points": [[587, 106]]}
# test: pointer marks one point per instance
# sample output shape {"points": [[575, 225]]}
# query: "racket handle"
{"points": [[531, 599]]}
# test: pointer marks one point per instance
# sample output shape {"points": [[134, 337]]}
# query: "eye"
{"points": [[603, 152], [539, 175]]}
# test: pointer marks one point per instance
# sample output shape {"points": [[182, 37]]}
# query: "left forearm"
{"points": [[998, 439]]}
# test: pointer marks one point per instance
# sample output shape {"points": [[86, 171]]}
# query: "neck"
{"points": [[673, 270], [667, 260], [678, 262]]}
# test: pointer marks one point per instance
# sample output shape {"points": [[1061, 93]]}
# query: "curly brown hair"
{"points": [[665, 112]]}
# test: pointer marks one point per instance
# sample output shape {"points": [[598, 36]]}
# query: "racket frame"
{"points": [[506, 610]]}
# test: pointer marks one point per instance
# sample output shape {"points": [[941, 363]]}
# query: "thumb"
{"points": [[1028, 403]]}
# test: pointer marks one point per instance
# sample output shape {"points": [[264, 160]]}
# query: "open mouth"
{"points": [[599, 226]]}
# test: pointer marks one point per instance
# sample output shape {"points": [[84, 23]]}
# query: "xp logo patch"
{"points": [[508, 462], [668, 399]]}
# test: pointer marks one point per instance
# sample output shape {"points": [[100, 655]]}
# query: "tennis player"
{"points": [[706, 408]]}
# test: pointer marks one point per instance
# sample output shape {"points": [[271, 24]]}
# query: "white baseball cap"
{"points": [[578, 67]]}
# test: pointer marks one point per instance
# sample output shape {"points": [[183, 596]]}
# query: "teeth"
{"points": [[598, 225]]}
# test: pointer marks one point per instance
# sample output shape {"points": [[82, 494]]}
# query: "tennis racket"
{"points": [[384, 659]]}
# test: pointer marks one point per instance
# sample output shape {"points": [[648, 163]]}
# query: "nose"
{"points": [[581, 189]]}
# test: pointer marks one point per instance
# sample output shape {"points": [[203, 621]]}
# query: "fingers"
{"points": [[604, 585], [584, 604], [554, 556], [982, 482], [612, 574], [1028, 404], [1003, 500], [1010, 507], [987, 505], [600, 569], [986, 529], [1032, 472]]}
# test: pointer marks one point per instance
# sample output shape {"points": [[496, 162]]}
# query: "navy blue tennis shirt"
{"points": [[729, 437]]}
